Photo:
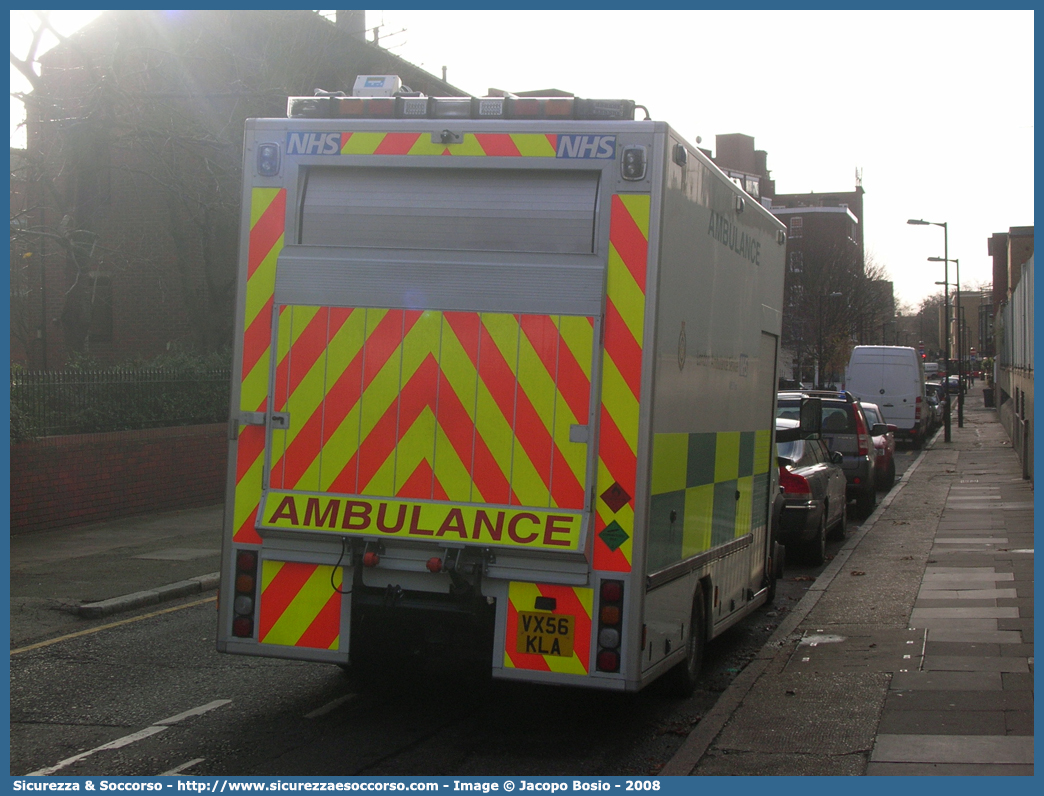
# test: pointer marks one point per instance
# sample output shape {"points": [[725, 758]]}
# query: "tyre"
{"points": [[889, 479], [774, 569], [867, 501], [815, 550], [681, 680], [840, 529]]}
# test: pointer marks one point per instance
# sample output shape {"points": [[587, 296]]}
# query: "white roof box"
{"points": [[376, 85]]}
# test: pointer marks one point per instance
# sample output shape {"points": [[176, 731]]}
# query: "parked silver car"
{"points": [[812, 484]]}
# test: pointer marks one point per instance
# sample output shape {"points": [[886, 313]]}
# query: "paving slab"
{"points": [[972, 663], [954, 700], [943, 722], [947, 681], [1014, 749], [946, 770]]}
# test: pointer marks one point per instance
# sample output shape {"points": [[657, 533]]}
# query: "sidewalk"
{"points": [[912, 654], [62, 576]]}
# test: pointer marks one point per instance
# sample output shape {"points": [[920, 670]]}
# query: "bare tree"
{"points": [[135, 130], [833, 300]]}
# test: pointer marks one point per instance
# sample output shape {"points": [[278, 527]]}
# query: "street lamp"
{"points": [[946, 301], [960, 346], [819, 360]]}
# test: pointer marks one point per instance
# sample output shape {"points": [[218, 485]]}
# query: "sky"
{"points": [[933, 108]]}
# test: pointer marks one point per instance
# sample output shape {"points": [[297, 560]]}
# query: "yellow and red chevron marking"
{"points": [[267, 222], [574, 601], [621, 375], [300, 605], [474, 144], [452, 406]]}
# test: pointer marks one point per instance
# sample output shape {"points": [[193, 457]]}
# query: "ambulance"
{"points": [[504, 386]]}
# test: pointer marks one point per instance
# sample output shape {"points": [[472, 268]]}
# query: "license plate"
{"points": [[545, 634]]}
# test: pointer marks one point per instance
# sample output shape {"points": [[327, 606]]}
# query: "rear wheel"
{"points": [[681, 680], [889, 479], [840, 529], [774, 569], [866, 501], [815, 550]]}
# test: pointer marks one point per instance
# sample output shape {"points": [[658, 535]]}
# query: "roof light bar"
{"points": [[419, 107]]}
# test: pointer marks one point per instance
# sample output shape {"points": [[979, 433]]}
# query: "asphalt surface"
{"points": [[912, 653]]}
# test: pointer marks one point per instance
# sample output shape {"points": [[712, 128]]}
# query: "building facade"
{"points": [[831, 301], [126, 213]]}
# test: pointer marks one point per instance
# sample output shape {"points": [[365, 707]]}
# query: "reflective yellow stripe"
{"points": [[362, 143], [525, 480], [462, 376], [726, 456], [762, 445], [670, 457], [744, 504], [621, 404], [628, 296], [699, 519], [637, 205]]}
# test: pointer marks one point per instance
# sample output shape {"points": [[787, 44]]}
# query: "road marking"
{"points": [[110, 625], [194, 712], [330, 706], [126, 740], [175, 771]]}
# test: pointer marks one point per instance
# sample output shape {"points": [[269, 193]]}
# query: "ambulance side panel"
{"points": [[718, 292]]}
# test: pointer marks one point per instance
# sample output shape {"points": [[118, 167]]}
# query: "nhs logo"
{"points": [[313, 143], [586, 146]]}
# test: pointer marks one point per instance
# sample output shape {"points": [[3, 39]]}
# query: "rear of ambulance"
{"points": [[435, 413]]}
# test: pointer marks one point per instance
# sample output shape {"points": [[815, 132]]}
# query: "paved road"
{"points": [[150, 683]]}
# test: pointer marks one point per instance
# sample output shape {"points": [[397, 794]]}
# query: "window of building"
{"points": [[797, 262], [797, 224]]}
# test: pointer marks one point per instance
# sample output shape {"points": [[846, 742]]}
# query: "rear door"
{"points": [[433, 338]]}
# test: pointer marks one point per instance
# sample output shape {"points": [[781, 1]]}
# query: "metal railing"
{"points": [[49, 403]]}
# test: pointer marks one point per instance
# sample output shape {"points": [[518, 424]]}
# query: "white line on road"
{"points": [[330, 706], [175, 771], [194, 712], [126, 740], [110, 625]]}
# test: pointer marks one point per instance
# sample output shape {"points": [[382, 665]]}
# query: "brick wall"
{"points": [[59, 481]]}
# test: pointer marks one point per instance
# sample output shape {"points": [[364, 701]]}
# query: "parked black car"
{"points": [[813, 487], [846, 430], [934, 390]]}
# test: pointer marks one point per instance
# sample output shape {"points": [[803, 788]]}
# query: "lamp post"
{"points": [[960, 342], [819, 360], [946, 301]]}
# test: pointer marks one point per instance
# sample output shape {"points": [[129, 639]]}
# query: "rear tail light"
{"points": [[244, 598], [794, 484], [610, 625], [862, 435], [917, 408]]}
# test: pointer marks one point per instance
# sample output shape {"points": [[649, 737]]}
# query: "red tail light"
{"points": [[862, 434], [917, 408], [610, 617], [794, 484], [243, 599]]}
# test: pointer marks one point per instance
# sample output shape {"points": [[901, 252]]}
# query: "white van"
{"points": [[893, 378]]}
